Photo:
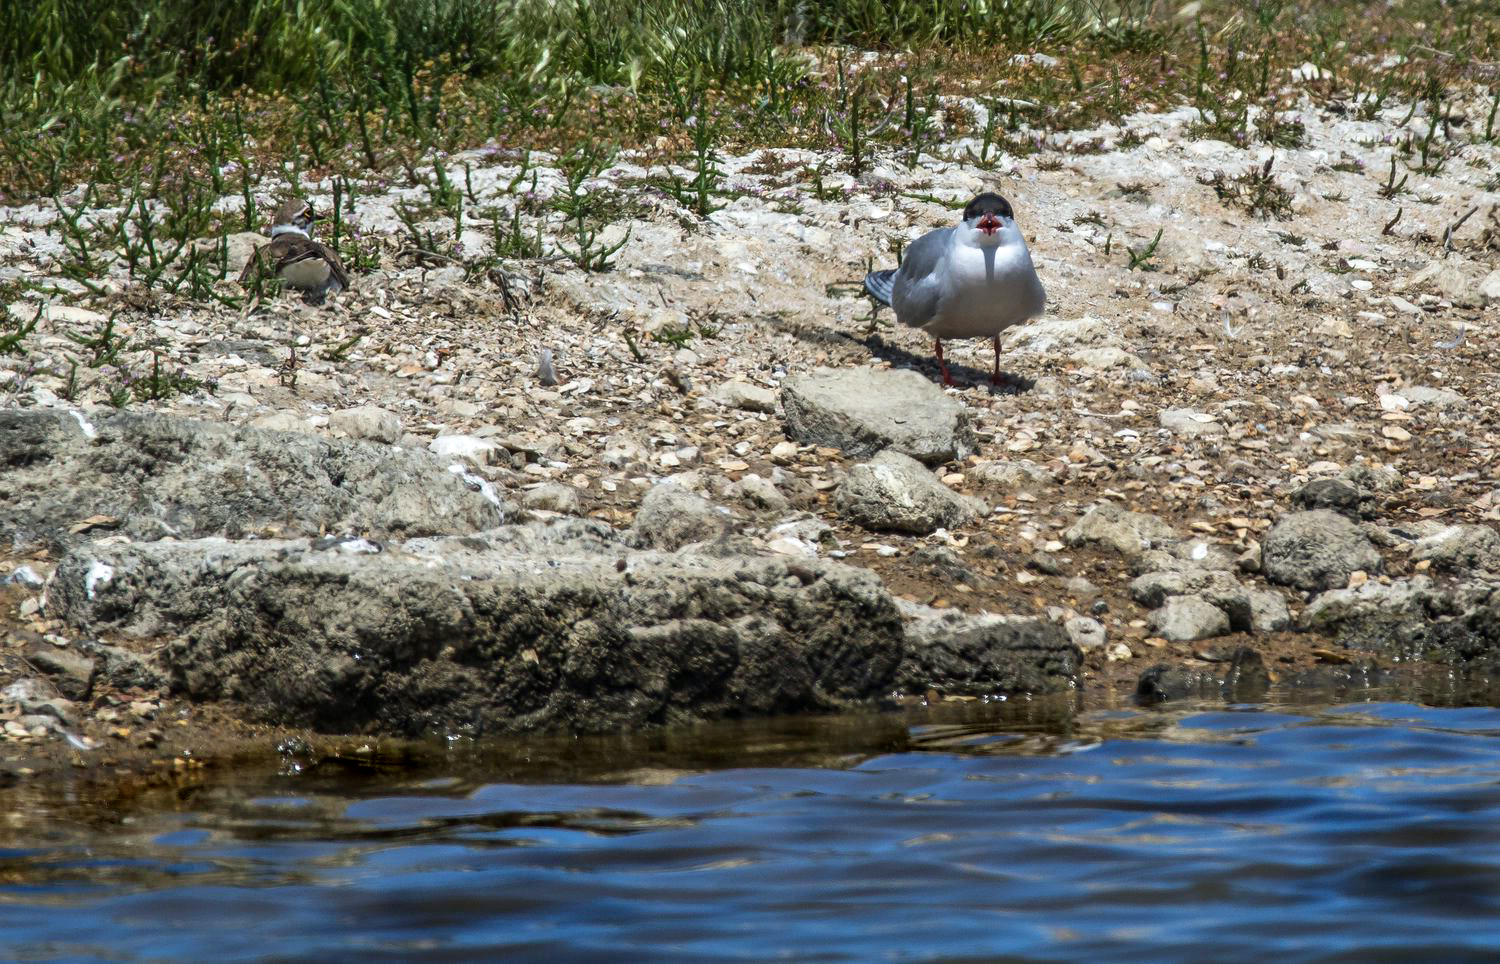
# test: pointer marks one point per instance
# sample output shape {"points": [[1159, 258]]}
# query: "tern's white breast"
{"points": [[985, 291]]}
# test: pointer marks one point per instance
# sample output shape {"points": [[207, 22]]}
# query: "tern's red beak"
{"points": [[989, 224]]}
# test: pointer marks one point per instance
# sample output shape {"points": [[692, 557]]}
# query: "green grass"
{"points": [[158, 108], [143, 91]]}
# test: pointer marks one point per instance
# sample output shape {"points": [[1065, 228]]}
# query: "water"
{"points": [[1366, 831]]}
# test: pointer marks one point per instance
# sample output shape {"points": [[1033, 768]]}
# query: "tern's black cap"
{"points": [[988, 203]]}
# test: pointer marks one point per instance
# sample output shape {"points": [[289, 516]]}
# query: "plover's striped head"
{"points": [[296, 214]]}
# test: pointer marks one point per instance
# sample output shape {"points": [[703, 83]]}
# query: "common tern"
{"points": [[973, 280]]}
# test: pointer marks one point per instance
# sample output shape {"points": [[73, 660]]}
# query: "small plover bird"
{"points": [[973, 280], [295, 258]]}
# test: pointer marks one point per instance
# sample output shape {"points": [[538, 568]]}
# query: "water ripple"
{"points": [[1356, 832]]}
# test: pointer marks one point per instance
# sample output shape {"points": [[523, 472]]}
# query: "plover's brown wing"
{"points": [[335, 266], [256, 264], [286, 250]]}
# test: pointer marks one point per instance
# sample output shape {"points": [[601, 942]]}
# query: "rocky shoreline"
{"points": [[707, 484], [354, 587]]}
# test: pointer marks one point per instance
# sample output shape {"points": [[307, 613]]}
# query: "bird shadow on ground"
{"points": [[966, 376]]}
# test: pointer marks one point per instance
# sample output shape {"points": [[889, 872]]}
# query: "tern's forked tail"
{"points": [[881, 285]]}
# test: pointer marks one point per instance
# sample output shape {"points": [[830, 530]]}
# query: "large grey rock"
{"points": [[1489, 286], [894, 493], [1217, 587], [1338, 495], [1183, 619], [1268, 611], [1188, 423], [1426, 395], [1412, 619], [759, 493], [1189, 554], [671, 517], [980, 655], [554, 497], [1086, 633], [624, 451], [557, 625], [864, 410], [367, 422], [1108, 526], [1244, 679], [124, 669], [1461, 548], [746, 397], [1316, 550], [1418, 598], [1373, 481], [1006, 476], [70, 670], [149, 476], [1059, 336]]}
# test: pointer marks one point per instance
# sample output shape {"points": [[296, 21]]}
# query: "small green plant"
{"points": [[80, 240], [1392, 187], [676, 337], [1273, 127], [161, 384], [578, 205], [13, 334], [635, 350], [1255, 191], [918, 124], [988, 143], [510, 237], [1489, 119], [103, 346], [338, 351], [849, 123], [1142, 259], [697, 194]]}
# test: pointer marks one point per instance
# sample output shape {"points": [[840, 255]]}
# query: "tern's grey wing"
{"points": [[916, 292], [880, 285]]}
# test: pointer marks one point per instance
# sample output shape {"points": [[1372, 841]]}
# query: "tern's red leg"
{"points": [[995, 378], [947, 378]]}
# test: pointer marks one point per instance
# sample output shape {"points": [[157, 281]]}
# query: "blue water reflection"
{"points": [[1358, 832]]}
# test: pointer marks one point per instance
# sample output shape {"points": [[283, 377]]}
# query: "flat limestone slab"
{"points": [[557, 625], [865, 410], [519, 628], [70, 477]]}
